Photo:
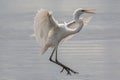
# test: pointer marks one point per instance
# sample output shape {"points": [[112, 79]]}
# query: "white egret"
{"points": [[49, 33]]}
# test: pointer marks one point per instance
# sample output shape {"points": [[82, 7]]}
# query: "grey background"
{"points": [[94, 52]]}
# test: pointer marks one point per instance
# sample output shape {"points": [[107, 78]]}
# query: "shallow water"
{"points": [[94, 52]]}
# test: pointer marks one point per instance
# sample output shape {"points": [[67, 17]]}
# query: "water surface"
{"points": [[94, 52]]}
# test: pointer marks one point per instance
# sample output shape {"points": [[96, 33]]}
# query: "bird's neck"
{"points": [[76, 17], [79, 22]]}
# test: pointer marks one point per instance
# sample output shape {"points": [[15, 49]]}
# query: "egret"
{"points": [[49, 33]]}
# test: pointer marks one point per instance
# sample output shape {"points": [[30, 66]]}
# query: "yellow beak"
{"points": [[89, 11]]}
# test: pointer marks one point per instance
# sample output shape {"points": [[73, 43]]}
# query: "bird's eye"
{"points": [[82, 10]]}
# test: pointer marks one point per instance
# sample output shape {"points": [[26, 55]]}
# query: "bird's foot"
{"points": [[69, 71]]}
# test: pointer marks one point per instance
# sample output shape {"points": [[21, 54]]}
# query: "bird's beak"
{"points": [[89, 11]]}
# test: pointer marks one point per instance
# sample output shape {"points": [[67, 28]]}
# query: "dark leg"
{"points": [[64, 67], [57, 62], [60, 64], [51, 56], [56, 59]]}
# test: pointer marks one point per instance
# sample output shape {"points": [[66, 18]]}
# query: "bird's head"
{"points": [[81, 11]]}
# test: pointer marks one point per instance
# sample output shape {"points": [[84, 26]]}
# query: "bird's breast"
{"points": [[55, 36]]}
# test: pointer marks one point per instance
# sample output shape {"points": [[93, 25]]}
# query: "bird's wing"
{"points": [[73, 25], [43, 22]]}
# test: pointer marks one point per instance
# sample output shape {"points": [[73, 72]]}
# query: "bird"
{"points": [[49, 33]]}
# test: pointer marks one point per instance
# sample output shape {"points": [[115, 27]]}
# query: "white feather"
{"points": [[73, 25], [49, 33], [43, 22]]}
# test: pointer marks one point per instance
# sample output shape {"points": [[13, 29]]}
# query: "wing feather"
{"points": [[73, 25], [43, 22]]}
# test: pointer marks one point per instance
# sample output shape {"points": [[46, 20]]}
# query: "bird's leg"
{"points": [[57, 62], [60, 64], [51, 56], [64, 67], [68, 72], [56, 56]]}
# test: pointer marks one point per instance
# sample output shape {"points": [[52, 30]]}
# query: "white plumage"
{"points": [[49, 33], [44, 22], [42, 26]]}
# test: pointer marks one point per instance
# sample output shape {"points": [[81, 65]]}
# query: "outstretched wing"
{"points": [[43, 22], [73, 25]]}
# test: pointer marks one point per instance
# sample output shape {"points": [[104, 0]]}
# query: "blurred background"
{"points": [[94, 52]]}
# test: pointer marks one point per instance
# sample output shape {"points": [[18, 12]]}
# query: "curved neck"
{"points": [[76, 16], [79, 22]]}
